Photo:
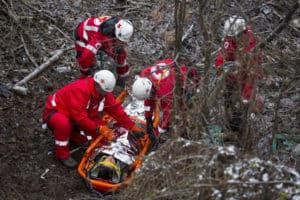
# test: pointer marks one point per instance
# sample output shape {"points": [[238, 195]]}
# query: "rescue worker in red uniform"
{"points": [[73, 111], [239, 44], [104, 33], [157, 82]]}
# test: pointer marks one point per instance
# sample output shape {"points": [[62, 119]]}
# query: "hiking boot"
{"points": [[69, 162]]}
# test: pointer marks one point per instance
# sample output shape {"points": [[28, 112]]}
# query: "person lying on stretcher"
{"points": [[112, 161]]}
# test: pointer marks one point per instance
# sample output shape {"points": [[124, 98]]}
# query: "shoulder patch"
{"points": [[226, 45]]}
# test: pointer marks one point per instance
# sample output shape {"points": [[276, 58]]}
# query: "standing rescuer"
{"points": [[73, 111], [104, 33], [157, 82], [239, 44]]}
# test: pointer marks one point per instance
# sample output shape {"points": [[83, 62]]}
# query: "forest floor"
{"points": [[32, 31]]}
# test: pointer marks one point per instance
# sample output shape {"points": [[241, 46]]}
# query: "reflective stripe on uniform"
{"points": [[101, 105], [53, 102], [82, 133], [88, 104], [89, 47], [87, 136], [124, 75], [91, 28], [147, 108], [161, 130], [85, 36], [61, 143], [159, 75], [79, 43], [88, 28]]}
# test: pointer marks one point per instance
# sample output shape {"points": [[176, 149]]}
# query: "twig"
{"points": [[283, 24], [64, 34], [27, 52], [187, 33], [40, 11], [16, 20], [44, 173], [140, 3], [11, 13]]}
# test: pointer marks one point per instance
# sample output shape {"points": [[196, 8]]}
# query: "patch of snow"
{"points": [[296, 197], [216, 193], [265, 177], [253, 180], [229, 150], [279, 186], [188, 143]]}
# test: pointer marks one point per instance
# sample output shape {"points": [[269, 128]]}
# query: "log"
{"points": [[19, 88]]}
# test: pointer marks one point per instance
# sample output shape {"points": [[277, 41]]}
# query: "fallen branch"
{"points": [[23, 90]]}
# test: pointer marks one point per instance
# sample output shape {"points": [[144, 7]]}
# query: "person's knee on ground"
{"points": [[62, 128]]}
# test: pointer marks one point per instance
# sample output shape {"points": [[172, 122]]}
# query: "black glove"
{"points": [[154, 142], [150, 131], [134, 135], [118, 49], [134, 143], [149, 124]]}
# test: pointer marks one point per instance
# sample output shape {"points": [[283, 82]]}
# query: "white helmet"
{"points": [[124, 30], [141, 88], [234, 25], [105, 79]]}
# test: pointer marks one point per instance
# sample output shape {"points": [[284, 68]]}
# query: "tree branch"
{"points": [[283, 24], [23, 90]]}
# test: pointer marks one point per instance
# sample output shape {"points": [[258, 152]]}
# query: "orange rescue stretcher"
{"points": [[88, 161]]}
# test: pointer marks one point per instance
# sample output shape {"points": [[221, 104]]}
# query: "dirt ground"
{"points": [[28, 168]]}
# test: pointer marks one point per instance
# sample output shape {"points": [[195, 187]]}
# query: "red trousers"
{"points": [[63, 130]]}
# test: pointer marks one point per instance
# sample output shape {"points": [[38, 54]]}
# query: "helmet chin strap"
{"points": [[100, 90]]}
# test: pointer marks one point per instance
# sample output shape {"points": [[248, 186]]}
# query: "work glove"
{"points": [[135, 133], [154, 142], [149, 124], [151, 134], [106, 132]]}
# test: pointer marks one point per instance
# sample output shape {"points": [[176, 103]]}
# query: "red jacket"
{"points": [[89, 40], [230, 47], [163, 79], [80, 102]]}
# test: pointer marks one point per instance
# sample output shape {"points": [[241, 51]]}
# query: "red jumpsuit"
{"points": [[89, 39], [163, 79], [243, 79], [74, 111]]}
